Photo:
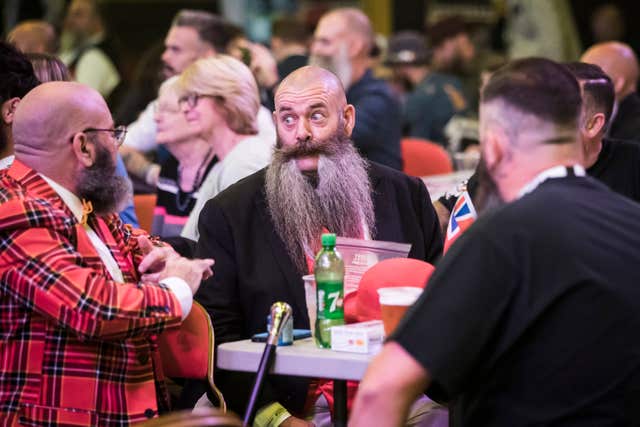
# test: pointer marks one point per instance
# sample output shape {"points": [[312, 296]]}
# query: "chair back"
{"points": [[144, 204], [188, 352], [199, 417], [421, 157], [364, 304]]}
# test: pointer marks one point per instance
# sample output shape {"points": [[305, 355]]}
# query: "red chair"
{"points": [[144, 204], [187, 352], [363, 304], [421, 158]]}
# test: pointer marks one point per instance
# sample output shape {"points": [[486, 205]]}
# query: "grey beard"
{"points": [[341, 202], [338, 66]]}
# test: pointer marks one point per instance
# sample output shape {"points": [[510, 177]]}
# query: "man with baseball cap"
{"points": [[434, 97]]}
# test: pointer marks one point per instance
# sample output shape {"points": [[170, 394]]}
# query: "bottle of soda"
{"points": [[329, 273]]}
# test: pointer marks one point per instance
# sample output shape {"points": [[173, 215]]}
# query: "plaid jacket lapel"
{"points": [[110, 235], [109, 232]]}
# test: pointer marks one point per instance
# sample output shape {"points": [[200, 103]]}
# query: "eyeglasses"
{"points": [[117, 133], [192, 99]]}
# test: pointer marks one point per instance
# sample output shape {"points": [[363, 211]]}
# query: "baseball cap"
{"points": [[407, 48]]}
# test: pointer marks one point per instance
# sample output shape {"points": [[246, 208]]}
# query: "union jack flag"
{"points": [[461, 218]]}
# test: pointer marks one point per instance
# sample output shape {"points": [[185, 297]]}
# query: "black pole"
{"points": [[280, 313], [263, 368]]}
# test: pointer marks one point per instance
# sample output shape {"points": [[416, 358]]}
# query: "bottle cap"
{"points": [[328, 239]]}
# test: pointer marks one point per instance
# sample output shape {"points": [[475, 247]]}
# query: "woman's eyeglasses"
{"points": [[191, 100]]}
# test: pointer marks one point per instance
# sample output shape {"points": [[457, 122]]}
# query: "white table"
{"points": [[302, 359]]}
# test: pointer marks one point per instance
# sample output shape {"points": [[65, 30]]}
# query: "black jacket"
{"points": [[626, 122], [253, 269]]}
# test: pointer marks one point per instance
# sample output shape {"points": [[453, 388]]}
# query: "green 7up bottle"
{"points": [[329, 272]]}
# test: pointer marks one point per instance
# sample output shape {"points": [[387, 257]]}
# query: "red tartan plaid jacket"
{"points": [[76, 348]]}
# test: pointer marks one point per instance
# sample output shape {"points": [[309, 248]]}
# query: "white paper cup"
{"points": [[466, 160], [394, 303], [310, 297]]}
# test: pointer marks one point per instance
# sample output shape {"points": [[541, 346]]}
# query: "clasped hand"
{"points": [[162, 261]]}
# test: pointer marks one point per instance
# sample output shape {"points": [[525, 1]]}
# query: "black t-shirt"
{"points": [[533, 316]]}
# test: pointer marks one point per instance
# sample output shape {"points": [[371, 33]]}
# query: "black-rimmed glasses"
{"points": [[118, 133], [191, 100]]}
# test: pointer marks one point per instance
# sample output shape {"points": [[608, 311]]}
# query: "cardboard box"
{"points": [[363, 337]]}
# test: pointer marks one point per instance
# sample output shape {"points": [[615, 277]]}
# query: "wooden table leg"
{"points": [[340, 402]]}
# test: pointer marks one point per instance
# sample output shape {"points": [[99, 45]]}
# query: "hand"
{"points": [[192, 271], [155, 255], [296, 422], [443, 216]]}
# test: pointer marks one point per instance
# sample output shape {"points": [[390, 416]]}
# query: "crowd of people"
{"points": [[253, 153]]}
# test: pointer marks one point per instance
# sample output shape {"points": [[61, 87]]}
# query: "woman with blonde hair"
{"points": [[219, 97], [183, 173]]}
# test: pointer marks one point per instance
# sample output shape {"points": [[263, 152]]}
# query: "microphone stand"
{"points": [[280, 313]]}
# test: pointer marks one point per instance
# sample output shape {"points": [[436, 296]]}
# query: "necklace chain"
{"points": [[197, 180]]}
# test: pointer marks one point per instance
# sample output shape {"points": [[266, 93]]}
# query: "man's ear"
{"points": [[494, 147], [618, 85], [9, 109], [595, 125], [355, 46], [349, 116], [83, 150]]}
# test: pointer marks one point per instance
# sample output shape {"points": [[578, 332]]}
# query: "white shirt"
{"points": [[554, 172], [93, 68], [248, 156], [178, 286], [5, 162]]}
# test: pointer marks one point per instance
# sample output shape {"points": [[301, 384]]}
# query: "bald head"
{"points": [[47, 118], [33, 36], [619, 62], [311, 109], [354, 22], [309, 77]]}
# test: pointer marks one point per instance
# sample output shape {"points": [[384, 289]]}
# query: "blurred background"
{"points": [[139, 24]]}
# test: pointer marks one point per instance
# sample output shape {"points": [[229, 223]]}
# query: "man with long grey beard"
{"points": [[264, 231], [343, 43]]}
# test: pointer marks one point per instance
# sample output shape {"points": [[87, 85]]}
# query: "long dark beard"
{"points": [[99, 184], [487, 196], [338, 199]]}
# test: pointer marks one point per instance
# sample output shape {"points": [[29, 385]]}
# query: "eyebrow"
{"points": [[311, 107]]}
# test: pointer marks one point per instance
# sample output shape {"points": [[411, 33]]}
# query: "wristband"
{"points": [[271, 415]]}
